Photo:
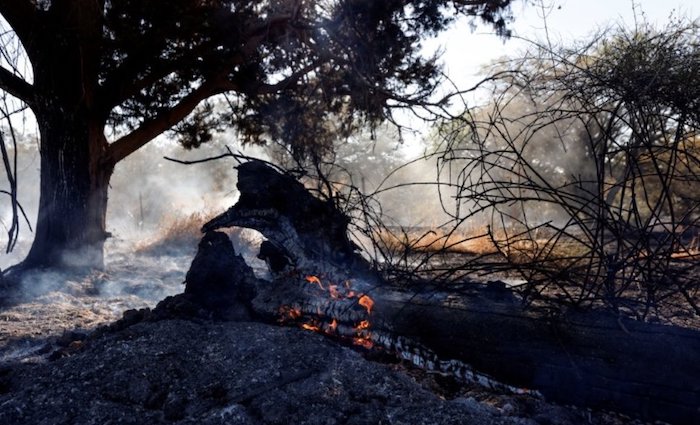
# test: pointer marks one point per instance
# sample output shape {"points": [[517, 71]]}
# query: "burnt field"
{"points": [[556, 269], [275, 212]]}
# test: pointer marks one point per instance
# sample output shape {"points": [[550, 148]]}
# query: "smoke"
{"points": [[402, 177], [27, 177], [148, 192], [156, 208]]}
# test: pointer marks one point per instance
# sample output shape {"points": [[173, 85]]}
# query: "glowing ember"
{"points": [[360, 335], [363, 325], [310, 327], [288, 312], [316, 280], [363, 342], [367, 303]]}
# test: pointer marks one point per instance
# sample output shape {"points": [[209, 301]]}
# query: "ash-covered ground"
{"points": [[56, 369]]}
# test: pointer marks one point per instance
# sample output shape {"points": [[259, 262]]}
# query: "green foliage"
{"points": [[301, 72]]}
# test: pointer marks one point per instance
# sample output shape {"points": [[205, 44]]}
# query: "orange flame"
{"points": [[316, 280], [367, 303], [362, 337], [363, 342], [362, 326], [362, 334], [333, 326]]}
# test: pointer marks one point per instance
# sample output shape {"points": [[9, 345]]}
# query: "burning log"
{"points": [[484, 333], [590, 359]]}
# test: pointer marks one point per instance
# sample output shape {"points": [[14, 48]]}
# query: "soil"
{"points": [[61, 362]]}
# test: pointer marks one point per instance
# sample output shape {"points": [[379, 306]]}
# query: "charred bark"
{"points": [[220, 280], [482, 333], [486, 335], [74, 183], [310, 233], [75, 161]]}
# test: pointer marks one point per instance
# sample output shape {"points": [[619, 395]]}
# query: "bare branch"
{"points": [[16, 86]]}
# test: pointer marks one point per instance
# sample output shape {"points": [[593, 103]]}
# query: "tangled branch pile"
{"points": [[590, 157]]}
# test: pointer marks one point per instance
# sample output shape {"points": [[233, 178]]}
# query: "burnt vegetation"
{"points": [[582, 174], [565, 208]]}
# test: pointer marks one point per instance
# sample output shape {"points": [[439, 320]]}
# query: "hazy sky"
{"points": [[566, 20]]}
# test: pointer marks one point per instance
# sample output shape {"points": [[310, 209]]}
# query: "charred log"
{"points": [[310, 232], [592, 359], [484, 333]]}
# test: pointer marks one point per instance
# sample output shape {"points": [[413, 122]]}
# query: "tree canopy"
{"points": [[151, 63], [108, 76]]}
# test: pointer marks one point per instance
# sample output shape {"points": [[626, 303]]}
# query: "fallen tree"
{"points": [[481, 332]]}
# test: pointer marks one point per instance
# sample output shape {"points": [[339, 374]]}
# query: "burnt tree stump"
{"points": [[219, 279], [310, 232]]}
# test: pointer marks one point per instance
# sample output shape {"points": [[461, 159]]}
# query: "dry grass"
{"points": [[479, 242], [425, 241], [176, 233], [180, 233]]}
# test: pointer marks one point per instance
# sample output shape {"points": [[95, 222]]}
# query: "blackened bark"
{"points": [[74, 182], [220, 280], [310, 232], [593, 359], [75, 165]]}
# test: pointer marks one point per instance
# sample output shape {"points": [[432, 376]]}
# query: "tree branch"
{"points": [[21, 15], [150, 129], [264, 88], [16, 86]]}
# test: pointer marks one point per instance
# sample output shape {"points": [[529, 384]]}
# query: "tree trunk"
{"points": [[75, 173], [75, 162]]}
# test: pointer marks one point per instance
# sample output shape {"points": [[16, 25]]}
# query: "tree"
{"points": [[136, 69]]}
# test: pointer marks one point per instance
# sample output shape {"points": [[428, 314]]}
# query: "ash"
{"points": [[54, 303]]}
